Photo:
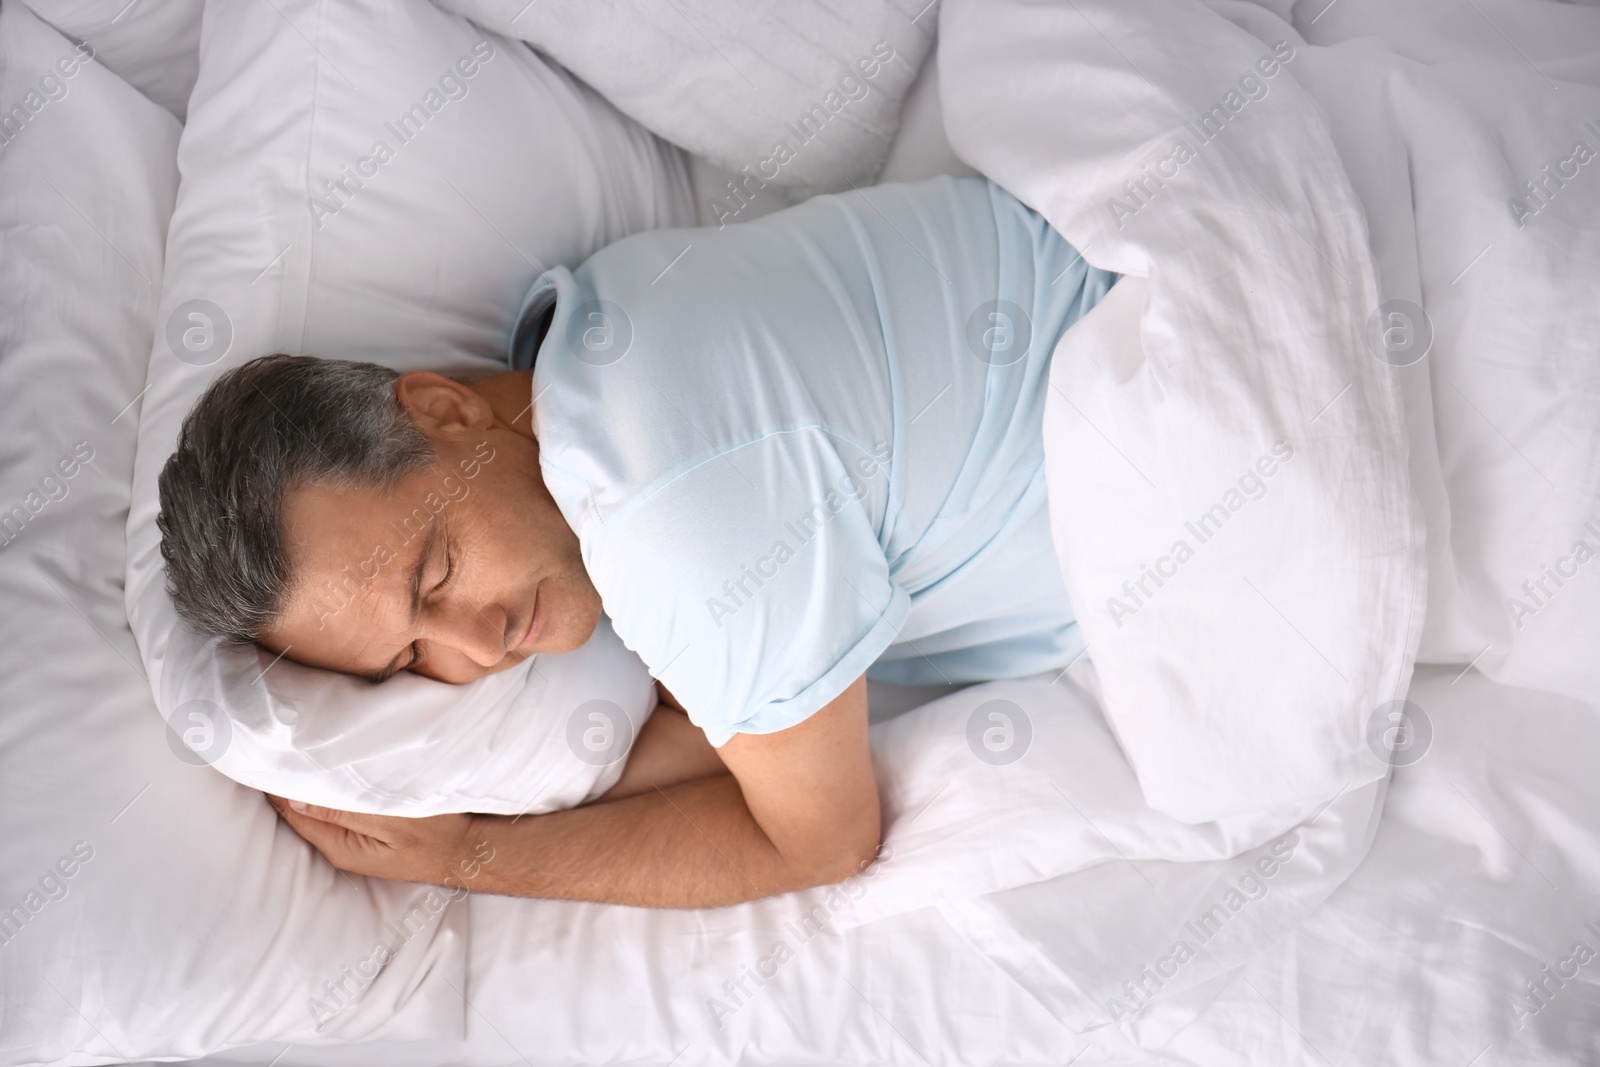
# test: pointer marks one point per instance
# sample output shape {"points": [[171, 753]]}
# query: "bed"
{"points": [[1437, 909]]}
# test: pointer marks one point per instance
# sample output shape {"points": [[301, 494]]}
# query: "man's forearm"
{"points": [[799, 808], [690, 845]]}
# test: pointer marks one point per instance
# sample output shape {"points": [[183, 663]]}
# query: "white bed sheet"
{"points": [[1486, 871], [1414, 961]]}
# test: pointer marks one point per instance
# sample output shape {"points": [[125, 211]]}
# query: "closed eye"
{"points": [[449, 568], [449, 574]]}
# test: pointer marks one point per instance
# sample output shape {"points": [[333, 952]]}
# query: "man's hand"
{"points": [[441, 850], [799, 809]]}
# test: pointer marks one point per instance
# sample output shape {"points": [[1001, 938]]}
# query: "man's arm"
{"points": [[800, 809]]}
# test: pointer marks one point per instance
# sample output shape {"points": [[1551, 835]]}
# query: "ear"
{"points": [[440, 405]]}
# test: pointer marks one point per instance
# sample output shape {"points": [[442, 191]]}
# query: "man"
{"points": [[778, 454]]}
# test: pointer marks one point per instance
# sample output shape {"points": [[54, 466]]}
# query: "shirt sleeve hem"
{"points": [[782, 714]]}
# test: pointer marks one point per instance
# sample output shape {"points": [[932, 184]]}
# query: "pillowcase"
{"points": [[806, 100], [375, 180], [153, 44], [148, 907], [543, 736]]}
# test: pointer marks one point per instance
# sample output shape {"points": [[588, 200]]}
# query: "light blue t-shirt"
{"points": [[807, 446]]}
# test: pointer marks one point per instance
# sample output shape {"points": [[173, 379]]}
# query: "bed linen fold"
{"points": [[1227, 461]]}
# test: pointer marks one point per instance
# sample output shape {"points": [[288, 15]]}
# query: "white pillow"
{"points": [[148, 907], [734, 81], [153, 44], [377, 179], [544, 736]]}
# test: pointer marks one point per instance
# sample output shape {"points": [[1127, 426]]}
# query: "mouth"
{"points": [[535, 623]]}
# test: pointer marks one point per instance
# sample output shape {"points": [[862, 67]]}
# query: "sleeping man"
{"points": [[780, 456]]}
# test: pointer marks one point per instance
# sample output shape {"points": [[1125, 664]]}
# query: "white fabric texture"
{"points": [[1442, 126], [154, 45], [1420, 958], [1250, 580], [135, 887], [733, 81], [379, 181], [1479, 880], [1011, 783], [544, 738]]}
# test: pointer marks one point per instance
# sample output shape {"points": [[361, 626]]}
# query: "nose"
{"points": [[477, 633]]}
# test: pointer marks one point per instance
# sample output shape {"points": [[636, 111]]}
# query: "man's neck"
{"points": [[510, 396]]}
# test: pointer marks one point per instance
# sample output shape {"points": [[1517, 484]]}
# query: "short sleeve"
{"points": [[753, 583]]}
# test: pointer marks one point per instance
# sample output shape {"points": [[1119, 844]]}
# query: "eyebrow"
{"points": [[418, 569]]}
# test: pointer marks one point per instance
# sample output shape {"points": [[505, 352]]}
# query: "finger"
{"points": [[350, 820], [284, 806], [313, 830], [339, 845]]}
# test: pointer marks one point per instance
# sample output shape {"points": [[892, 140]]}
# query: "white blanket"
{"points": [[1323, 230], [1472, 136], [1266, 304], [1226, 451]]}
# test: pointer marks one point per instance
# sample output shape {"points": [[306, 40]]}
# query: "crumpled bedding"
{"points": [[1226, 451], [805, 100], [1386, 265]]}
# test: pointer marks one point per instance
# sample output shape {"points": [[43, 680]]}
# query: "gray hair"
{"points": [[270, 426]]}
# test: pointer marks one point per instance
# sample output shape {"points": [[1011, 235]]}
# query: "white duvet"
{"points": [[1344, 258], [1225, 448], [1476, 189]]}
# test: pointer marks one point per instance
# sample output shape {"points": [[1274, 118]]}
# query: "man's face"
{"points": [[455, 572]]}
